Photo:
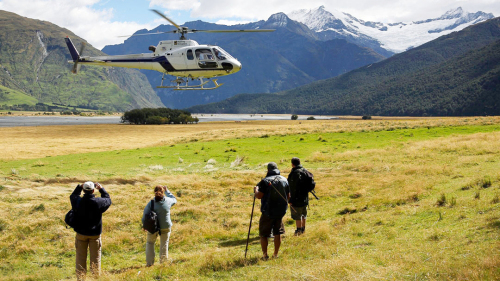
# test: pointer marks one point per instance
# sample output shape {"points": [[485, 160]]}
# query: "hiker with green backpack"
{"points": [[274, 193], [156, 221]]}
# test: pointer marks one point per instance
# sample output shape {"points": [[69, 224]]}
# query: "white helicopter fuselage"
{"points": [[180, 58]]}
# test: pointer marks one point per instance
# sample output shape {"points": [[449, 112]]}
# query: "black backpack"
{"points": [[151, 223], [307, 180], [277, 198], [70, 218]]}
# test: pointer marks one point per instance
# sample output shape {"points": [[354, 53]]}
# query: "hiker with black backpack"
{"points": [[156, 221], [87, 223], [301, 183], [274, 193]]}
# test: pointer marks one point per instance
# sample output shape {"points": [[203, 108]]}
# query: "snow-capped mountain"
{"points": [[392, 37]]}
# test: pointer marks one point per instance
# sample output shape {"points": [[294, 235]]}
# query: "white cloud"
{"points": [[382, 10], [175, 4], [99, 27], [95, 26], [231, 22]]}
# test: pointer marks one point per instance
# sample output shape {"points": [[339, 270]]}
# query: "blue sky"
{"points": [[101, 22], [138, 11]]}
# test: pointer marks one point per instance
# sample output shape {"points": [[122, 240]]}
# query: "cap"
{"points": [[88, 186], [271, 166]]}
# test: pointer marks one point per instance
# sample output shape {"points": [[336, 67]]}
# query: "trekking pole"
{"points": [[250, 226], [312, 191]]}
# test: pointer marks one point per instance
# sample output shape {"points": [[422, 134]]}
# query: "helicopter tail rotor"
{"points": [[75, 55]]}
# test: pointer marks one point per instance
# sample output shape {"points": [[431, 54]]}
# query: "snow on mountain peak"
{"points": [[394, 37], [453, 13], [279, 19]]}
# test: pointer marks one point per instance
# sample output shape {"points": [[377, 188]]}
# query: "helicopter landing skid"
{"points": [[195, 87]]}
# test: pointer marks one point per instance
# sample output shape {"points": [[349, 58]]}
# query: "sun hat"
{"points": [[88, 186]]}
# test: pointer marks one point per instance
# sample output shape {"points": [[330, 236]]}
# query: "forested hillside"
{"points": [[34, 66], [457, 74]]}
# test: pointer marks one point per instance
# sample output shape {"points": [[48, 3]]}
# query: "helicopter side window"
{"points": [[219, 54], [190, 55], [205, 58]]}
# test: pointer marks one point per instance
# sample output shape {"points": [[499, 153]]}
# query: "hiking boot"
{"points": [[298, 232], [265, 258]]}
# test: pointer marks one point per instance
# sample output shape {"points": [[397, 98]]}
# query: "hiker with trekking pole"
{"points": [[301, 183], [274, 193]]}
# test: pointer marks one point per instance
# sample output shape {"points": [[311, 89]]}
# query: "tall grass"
{"points": [[392, 179]]}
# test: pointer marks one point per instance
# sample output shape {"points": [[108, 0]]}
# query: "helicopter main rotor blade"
{"points": [[165, 17], [152, 33], [233, 30]]}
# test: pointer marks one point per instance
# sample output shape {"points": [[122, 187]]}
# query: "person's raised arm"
{"points": [[75, 196], [105, 201]]}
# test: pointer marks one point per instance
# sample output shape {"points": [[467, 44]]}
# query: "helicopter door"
{"points": [[205, 58], [190, 61]]}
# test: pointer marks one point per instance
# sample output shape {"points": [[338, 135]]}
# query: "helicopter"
{"points": [[184, 59]]}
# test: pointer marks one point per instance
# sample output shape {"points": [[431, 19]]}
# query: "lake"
{"points": [[16, 121]]}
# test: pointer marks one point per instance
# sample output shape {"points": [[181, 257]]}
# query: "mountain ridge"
{"points": [[456, 74], [276, 61], [34, 61], [336, 24]]}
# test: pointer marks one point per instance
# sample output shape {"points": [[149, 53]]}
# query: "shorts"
{"points": [[298, 212], [267, 224]]}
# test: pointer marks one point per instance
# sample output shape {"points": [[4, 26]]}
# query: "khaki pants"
{"points": [[82, 243], [150, 246]]}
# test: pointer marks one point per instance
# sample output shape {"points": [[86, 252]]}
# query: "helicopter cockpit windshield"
{"points": [[220, 53]]}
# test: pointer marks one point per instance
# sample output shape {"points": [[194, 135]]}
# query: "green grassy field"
{"points": [[13, 97], [405, 203]]}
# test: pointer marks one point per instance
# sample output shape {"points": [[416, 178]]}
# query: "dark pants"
{"points": [[268, 225]]}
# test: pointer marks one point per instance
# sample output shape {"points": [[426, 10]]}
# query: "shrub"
{"points": [[295, 117], [366, 117], [143, 115], [485, 183], [156, 120], [453, 201], [347, 210], [441, 200], [39, 208], [355, 195], [3, 225], [311, 118]]}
